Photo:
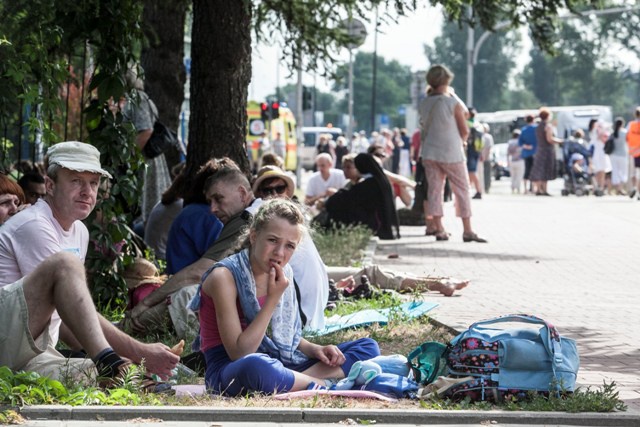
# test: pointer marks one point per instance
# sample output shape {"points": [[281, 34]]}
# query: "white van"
{"points": [[308, 149]]}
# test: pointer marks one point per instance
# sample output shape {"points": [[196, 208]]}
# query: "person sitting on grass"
{"points": [[12, 198], [369, 202], [43, 287], [251, 329]]}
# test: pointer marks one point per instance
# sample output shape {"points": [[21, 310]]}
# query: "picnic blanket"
{"points": [[409, 309], [198, 390]]}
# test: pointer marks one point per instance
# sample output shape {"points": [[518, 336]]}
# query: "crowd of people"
{"points": [[245, 277], [532, 157], [245, 281]]}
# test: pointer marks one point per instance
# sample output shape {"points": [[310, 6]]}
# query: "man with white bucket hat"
{"points": [[43, 288]]}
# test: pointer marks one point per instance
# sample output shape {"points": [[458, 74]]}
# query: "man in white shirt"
{"points": [[42, 252], [279, 146], [325, 182]]}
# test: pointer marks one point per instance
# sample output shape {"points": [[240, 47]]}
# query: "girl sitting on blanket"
{"points": [[250, 325]]}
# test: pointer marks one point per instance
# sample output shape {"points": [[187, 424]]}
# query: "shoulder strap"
{"points": [[303, 316], [154, 116], [430, 116]]}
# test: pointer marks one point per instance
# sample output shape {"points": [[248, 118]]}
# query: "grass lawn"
{"points": [[399, 336]]}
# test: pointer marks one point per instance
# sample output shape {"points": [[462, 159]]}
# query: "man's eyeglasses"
{"points": [[268, 191]]}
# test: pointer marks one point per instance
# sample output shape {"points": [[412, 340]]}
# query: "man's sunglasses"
{"points": [[279, 189]]}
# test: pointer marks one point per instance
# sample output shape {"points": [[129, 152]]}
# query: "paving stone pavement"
{"points": [[572, 261]]}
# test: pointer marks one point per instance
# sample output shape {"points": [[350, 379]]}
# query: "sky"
{"points": [[403, 41]]}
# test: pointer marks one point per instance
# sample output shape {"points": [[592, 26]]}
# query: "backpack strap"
{"points": [[548, 333]]}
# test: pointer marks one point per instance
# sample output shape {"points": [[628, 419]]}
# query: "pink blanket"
{"points": [[361, 394]]}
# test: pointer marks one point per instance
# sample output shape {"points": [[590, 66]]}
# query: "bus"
{"points": [[566, 118]]}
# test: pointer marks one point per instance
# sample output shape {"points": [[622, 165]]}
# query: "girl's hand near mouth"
{"points": [[277, 281]]}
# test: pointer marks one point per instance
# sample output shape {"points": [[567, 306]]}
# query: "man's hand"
{"points": [[330, 191], [347, 284], [134, 316], [159, 360]]}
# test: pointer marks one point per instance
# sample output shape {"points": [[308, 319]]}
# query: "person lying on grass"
{"points": [[273, 182], [250, 325]]}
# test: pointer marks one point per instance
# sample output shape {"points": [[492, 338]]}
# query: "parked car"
{"points": [[308, 148], [499, 164]]}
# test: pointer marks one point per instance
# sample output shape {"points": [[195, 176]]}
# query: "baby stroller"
{"points": [[577, 179]]}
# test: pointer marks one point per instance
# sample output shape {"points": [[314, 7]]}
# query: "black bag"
{"points": [[162, 137], [609, 145], [160, 140]]}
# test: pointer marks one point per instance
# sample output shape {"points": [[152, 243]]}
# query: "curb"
{"points": [[369, 251], [301, 415]]}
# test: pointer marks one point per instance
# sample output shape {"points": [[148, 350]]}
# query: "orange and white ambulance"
{"points": [[285, 125]]}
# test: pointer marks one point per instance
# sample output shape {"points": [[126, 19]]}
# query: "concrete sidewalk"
{"points": [[572, 261]]}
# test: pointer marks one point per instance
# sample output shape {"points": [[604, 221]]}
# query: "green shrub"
{"points": [[342, 246]]}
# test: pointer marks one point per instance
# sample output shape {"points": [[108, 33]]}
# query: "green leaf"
{"points": [[112, 87]]}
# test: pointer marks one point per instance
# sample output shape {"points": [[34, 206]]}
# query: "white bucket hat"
{"points": [[77, 156]]}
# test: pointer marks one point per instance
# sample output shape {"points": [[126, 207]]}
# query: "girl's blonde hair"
{"points": [[272, 209]]}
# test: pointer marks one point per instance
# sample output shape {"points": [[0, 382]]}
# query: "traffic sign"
{"points": [[356, 29], [256, 127]]}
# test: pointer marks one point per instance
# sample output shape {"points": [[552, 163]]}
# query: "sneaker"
{"points": [[477, 196], [364, 290], [334, 293], [632, 193], [314, 386], [147, 384]]}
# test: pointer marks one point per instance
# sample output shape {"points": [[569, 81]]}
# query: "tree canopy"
{"points": [[393, 82], [40, 38], [491, 76], [582, 72]]}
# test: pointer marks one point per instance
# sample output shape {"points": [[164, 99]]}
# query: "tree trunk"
{"points": [[220, 76], [163, 60]]}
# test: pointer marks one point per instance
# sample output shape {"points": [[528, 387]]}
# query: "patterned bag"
{"points": [[510, 363]]}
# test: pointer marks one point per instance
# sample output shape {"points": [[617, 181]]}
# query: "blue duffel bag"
{"points": [[489, 362], [504, 363]]}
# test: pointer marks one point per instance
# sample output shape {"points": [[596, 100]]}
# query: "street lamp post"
{"points": [[357, 31], [470, 64], [474, 48]]}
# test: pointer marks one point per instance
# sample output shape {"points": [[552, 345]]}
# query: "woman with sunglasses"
{"points": [[12, 198], [250, 325]]}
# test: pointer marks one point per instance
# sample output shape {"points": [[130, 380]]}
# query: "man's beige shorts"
{"points": [[20, 352]]}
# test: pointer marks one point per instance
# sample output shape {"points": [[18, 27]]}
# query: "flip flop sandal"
{"points": [[442, 236], [473, 237]]}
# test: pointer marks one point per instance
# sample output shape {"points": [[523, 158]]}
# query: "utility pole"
{"points": [[473, 48], [470, 64], [375, 70]]}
